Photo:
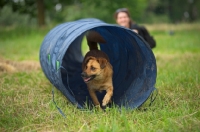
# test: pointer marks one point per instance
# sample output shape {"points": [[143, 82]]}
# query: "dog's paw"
{"points": [[105, 101], [98, 108], [103, 107]]}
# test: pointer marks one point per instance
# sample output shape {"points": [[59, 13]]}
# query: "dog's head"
{"points": [[92, 67]]}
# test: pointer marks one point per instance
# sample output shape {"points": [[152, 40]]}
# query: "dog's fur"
{"points": [[97, 70]]}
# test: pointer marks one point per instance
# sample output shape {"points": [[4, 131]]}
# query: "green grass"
{"points": [[21, 43], [26, 100]]}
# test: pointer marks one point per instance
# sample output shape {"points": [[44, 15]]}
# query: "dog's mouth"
{"points": [[87, 79]]}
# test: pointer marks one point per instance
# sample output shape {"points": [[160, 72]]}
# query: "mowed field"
{"points": [[26, 100]]}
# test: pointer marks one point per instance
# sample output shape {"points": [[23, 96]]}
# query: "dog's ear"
{"points": [[103, 62], [85, 61]]}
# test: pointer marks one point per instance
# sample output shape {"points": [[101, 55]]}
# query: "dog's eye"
{"points": [[93, 68]]}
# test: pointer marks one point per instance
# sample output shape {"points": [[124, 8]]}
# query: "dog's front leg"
{"points": [[107, 97], [94, 97]]}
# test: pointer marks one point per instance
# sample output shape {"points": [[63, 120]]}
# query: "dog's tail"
{"points": [[93, 38]]}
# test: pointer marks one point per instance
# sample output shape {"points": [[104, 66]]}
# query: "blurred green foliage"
{"points": [[15, 12]]}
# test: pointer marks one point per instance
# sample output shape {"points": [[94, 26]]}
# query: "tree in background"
{"points": [[31, 7], [59, 11], [34, 8], [186, 10], [103, 10], [40, 12], [177, 10]]}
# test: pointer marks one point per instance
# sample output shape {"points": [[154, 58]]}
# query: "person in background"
{"points": [[123, 18]]}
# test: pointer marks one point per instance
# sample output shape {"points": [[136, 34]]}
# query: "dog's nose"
{"points": [[83, 74]]}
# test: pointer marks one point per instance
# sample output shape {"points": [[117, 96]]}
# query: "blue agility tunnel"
{"points": [[133, 62]]}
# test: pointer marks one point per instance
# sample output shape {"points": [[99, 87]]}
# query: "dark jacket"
{"points": [[142, 31]]}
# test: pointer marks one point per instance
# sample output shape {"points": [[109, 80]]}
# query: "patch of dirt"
{"points": [[10, 66]]}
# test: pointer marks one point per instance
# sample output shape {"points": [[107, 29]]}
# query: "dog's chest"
{"points": [[97, 87]]}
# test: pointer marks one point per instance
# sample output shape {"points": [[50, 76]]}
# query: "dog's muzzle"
{"points": [[87, 78]]}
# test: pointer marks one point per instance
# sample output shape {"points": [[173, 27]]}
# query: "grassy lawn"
{"points": [[26, 99]]}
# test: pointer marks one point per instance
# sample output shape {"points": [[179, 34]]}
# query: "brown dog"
{"points": [[97, 71]]}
